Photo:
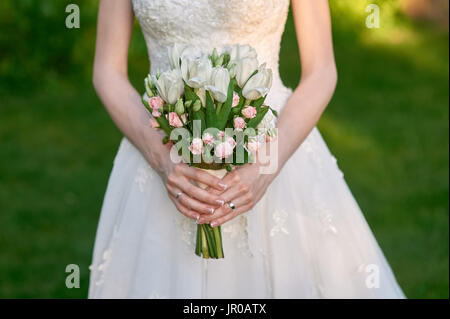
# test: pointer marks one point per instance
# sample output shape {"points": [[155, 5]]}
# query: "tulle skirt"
{"points": [[306, 238]]}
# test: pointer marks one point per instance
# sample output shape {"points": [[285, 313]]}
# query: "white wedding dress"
{"points": [[306, 238]]}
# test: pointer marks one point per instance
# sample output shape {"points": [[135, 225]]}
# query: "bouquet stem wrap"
{"points": [[209, 239]]}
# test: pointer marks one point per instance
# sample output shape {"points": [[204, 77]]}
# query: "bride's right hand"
{"points": [[192, 201]]}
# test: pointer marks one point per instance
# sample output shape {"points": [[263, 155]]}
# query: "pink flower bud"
{"points": [[223, 150], [156, 113], [174, 120], [156, 102], [253, 146], [249, 112], [231, 141], [208, 139], [239, 123], [196, 146], [236, 99]]}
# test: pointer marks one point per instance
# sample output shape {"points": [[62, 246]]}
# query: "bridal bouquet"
{"points": [[210, 107]]}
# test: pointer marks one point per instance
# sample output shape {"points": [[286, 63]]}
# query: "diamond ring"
{"points": [[232, 206], [178, 195]]}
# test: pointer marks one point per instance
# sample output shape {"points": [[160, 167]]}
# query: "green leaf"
{"points": [[200, 115], [211, 117], [164, 124], [274, 112], [189, 94], [222, 118], [258, 102], [198, 245], [261, 112]]}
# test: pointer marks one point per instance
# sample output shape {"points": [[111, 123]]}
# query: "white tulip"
{"points": [[238, 52], [178, 51], [244, 69], [175, 55], [196, 72], [258, 85], [201, 93], [218, 85], [169, 85]]}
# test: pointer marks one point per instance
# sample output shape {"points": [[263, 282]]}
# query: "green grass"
{"points": [[387, 125]]}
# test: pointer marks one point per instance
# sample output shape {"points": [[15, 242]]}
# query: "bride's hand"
{"points": [[192, 200], [246, 186]]}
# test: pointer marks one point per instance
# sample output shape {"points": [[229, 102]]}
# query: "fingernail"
{"points": [[220, 202], [211, 211], [197, 218], [224, 186], [213, 224]]}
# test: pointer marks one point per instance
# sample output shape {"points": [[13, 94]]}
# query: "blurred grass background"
{"points": [[387, 125]]}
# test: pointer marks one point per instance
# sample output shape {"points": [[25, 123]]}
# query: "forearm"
{"points": [[303, 110], [125, 107]]}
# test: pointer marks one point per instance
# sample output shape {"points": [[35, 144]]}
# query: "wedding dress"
{"points": [[306, 238]]}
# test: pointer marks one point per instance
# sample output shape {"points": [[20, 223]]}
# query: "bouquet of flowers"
{"points": [[210, 107]]}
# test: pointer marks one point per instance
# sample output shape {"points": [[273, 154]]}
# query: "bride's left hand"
{"points": [[246, 186]]}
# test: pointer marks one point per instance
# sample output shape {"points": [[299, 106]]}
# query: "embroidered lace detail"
{"points": [[187, 229], [308, 147], [100, 268], [237, 228], [144, 172], [279, 217], [259, 23], [325, 215]]}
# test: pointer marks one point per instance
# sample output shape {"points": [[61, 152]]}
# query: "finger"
{"points": [[230, 179], [223, 219], [184, 210], [198, 193], [224, 210], [204, 178], [235, 192], [191, 203]]}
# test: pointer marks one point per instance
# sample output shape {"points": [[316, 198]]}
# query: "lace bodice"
{"points": [[213, 24]]}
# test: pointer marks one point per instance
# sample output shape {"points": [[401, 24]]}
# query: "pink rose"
{"points": [[156, 113], [196, 146], [153, 123], [231, 141], [156, 102], [174, 120], [239, 123], [221, 134], [249, 112], [236, 99], [208, 139], [253, 146], [223, 150]]}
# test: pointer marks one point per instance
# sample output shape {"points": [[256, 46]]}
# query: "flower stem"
{"points": [[218, 238], [218, 108], [210, 240], [204, 243], [198, 245]]}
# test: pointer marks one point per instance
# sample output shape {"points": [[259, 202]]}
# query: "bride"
{"points": [[294, 233]]}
